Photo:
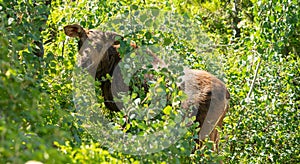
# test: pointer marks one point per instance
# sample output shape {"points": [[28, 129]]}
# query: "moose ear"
{"points": [[75, 30]]}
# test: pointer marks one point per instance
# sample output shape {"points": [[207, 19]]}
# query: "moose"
{"points": [[207, 94]]}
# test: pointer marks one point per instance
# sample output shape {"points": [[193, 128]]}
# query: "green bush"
{"points": [[256, 52]]}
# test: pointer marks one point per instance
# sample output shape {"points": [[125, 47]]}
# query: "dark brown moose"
{"points": [[207, 94]]}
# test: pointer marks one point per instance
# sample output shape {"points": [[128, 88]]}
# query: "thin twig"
{"points": [[63, 49], [249, 94], [253, 80]]}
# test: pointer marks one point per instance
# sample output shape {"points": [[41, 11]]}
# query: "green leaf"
{"points": [[167, 41], [167, 110]]}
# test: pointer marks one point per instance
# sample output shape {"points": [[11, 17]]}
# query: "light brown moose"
{"points": [[207, 94]]}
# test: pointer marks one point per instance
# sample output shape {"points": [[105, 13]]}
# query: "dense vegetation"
{"points": [[254, 49]]}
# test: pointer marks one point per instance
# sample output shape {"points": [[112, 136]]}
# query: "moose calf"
{"points": [[206, 94]]}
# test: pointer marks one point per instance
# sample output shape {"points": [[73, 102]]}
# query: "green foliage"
{"points": [[28, 125], [38, 119]]}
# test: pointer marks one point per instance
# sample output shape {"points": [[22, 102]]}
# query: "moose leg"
{"points": [[214, 136], [214, 117]]}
